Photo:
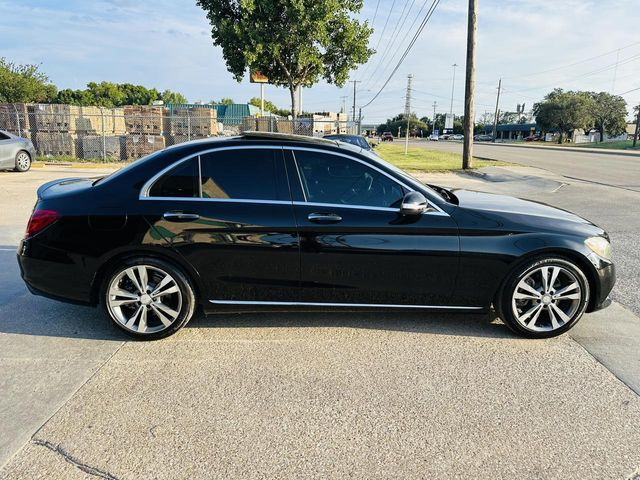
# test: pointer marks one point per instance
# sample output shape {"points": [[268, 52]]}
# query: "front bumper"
{"points": [[605, 280]]}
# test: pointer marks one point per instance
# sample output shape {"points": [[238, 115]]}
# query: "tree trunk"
{"points": [[294, 103], [601, 133], [561, 137]]}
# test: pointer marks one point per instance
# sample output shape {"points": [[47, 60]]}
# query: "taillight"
{"points": [[40, 219]]}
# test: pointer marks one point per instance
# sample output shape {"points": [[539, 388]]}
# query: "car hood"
{"points": [[504, 204]]}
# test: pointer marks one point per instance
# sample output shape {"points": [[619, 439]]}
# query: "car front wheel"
{"points": [[148, 298], [23, 161], [544, 298]]}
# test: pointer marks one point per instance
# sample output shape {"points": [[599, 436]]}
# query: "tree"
{"points": [[609, 113], [24, 83], [268, 106], [563, 111], [292, 42], [173, 97], [400, 122], [227, 101]]}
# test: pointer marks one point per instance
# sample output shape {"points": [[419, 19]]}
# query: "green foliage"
{"points": [[227, 101], [24, 84], [292, 42], [563, 111], [108, 94], [173, 97], [268, 106], [400, 121], [609, 113]]}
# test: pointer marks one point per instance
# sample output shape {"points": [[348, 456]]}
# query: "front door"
{"points": [[228, 212], [356, 248]]}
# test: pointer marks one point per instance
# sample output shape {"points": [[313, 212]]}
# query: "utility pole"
{"points": [[495, 117], [453, 86], [433, 127], [344, 103], [353, 115], [469, 85], [359, 120], [635, 138], [407, 112], [615, 73]]}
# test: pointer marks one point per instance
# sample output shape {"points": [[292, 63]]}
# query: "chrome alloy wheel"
{"points": [[144, 299], [546, 298], [23, 161]]}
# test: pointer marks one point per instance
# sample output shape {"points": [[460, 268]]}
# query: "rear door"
{"points": [[229, 213], [356, 248]]}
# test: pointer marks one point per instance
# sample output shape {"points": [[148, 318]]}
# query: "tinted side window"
{"points": [[333, 179], [3, 136], [181, 181], [241, 174]]}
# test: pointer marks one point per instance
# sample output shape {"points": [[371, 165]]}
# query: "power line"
{"points": [[384, 29], [406, 33], [562, 67], [375, 14], [426, 19], [628, 91], [393, 37]]}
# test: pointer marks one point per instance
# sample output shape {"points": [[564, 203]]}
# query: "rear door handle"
{"points": [[324, 218], [177, 216]]}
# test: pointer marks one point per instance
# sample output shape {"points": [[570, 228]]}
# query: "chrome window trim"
{"points": [[327, 304], [432, 209], [221, 200], [295, 162], [431, 205]]}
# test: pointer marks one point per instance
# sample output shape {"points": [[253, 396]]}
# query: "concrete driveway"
{"points": [[297, 394]]}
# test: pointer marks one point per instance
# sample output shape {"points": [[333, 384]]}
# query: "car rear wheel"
{"points": [[148, 298], [544, 298], [23, 161]]}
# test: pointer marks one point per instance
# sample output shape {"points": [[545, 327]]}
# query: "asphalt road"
{"points": [[302, 394], [621, 171]]}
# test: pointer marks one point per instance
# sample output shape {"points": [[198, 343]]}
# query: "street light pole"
{"points": [[635, 137], [469, 86], [453, 85]]}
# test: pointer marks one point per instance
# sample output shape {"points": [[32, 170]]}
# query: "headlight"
{"points": [[600, 246]]}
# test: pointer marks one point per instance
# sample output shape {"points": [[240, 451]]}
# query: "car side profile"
{"points": [[16, 153], [274, 220]]}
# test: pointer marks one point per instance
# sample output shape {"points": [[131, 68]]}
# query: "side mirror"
{"points": [[413, 203]]}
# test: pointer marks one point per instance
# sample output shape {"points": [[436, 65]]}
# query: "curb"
{"points": [[604, 151]]}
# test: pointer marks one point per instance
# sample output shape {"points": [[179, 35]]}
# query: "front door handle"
{"points": [[324, 218], [177, 216]]}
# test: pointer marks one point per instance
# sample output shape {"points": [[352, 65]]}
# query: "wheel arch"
{"points": [[567, 254], [170, 257]]}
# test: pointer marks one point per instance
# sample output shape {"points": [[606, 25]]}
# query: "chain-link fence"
{"points": [[128, 133]]}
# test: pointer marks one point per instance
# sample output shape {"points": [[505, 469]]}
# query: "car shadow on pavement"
{"points": [[22, 313], [473, 325]]}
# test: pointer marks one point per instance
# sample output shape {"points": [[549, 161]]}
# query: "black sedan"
{"points": [[264, 219]]}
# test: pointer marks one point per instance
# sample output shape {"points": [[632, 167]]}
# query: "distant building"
{"points": [[513, 131]]}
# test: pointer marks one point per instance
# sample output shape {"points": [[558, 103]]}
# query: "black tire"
{"points": [[506, 306], [22, 161], [155, 267]]}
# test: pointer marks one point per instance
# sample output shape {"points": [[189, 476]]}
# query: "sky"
{"points": [[532, 46]]}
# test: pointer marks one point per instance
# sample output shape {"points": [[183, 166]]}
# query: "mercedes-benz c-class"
{"points": [[274, 220]]}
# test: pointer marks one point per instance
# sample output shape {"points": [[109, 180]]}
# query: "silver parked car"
{"points": [[16, 153]]}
